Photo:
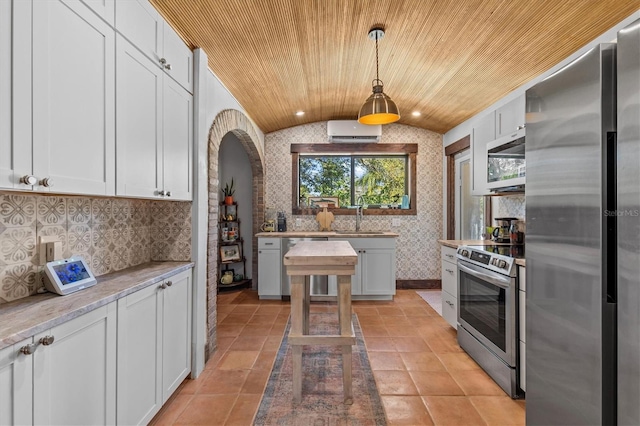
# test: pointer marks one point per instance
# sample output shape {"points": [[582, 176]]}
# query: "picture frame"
{"points": [[329, 202], [230, 253]]}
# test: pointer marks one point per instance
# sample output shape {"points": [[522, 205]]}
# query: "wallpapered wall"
{"points": [[110, 233], [418, 253]]}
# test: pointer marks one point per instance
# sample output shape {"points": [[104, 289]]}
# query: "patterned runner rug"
{"points": [[321, 383]]}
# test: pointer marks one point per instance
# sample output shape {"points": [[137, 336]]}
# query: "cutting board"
{"points": [[325, 219]]}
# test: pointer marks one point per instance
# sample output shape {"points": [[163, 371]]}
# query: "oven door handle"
{"points": [[502, 282]]}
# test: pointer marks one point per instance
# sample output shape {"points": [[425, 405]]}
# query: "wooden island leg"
{"points": [[297, 325], [344, 315]]}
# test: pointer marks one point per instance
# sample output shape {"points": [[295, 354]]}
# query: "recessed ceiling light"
{"points": [[299, 113], [416, 113]]}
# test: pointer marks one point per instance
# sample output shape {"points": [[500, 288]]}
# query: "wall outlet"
{"points": [[50, 249], [298, 222], [396, 221]]}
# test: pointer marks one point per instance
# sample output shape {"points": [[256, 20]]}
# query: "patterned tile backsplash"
{"points": [[110, 233], [418, 252], [510, 206]]}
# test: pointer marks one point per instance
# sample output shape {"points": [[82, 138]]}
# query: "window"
{"points": [[375, 176]]}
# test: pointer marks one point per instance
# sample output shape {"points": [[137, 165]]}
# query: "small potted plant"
{"points": [[228, 191]]}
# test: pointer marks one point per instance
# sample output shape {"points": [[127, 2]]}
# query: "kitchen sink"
{"points": [[361, 232]]}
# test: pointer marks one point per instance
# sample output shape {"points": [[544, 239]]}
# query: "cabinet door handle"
{"points": [[161, 193], [162, 286], [449, 271], [29, 180], [28, 349], [450, 303], [169, 283], [164, 64], [259, 251], [47, 340], [450, 256], [268, 244], [168, 193], [47, 182]]}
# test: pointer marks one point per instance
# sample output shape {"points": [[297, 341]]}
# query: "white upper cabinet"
{"points": [[6, 116], [142, 25], [154, 130], [138, 109], [483, 132], [106, 9], [510, 117], [73, 99], [177, 140], [58, 120]]}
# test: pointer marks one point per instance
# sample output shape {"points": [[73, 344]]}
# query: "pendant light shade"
{"points": [[379, 108]]}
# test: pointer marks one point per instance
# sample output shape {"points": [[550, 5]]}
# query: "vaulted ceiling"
{"points": [[447, 59]]}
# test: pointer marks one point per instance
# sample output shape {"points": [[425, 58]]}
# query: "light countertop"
{"points": [[31, 315], [330, 234]]}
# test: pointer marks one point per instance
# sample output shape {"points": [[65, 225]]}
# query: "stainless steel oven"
{"points": [[488, 311]]}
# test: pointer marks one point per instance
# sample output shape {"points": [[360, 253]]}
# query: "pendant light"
{"points": [[378, 108]]}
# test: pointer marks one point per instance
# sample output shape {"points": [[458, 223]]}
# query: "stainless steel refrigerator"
{"points": [[583, 240]]}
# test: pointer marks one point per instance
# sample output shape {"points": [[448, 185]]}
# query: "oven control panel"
{"points": [[495, 262]]}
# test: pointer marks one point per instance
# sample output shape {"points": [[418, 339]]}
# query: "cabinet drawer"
{"points": [[448, 254], [449, 277], [269, 243], [450, 309], [522, 307], [523, 366]]}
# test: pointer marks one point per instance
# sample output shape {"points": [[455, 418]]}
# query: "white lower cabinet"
{"points": [[73, 371], [449, 274], [16, 385], [154, 347], [269, 268], [376, 270]]}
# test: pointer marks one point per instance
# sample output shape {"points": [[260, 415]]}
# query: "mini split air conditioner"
{"points": [[352, 131]]}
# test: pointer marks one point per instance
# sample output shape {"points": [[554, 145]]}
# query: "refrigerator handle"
{"points": [[610, 251]]}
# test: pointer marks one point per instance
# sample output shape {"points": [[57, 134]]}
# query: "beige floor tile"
{"points": [[229, 330], [265, 360], [245, 309], [415, 311], [406, 410], [262, 319], [373, 330], [192, 386], [402, 331], [268, 310], [272, 343], [234, 318], [453, 410], [390, 310], [499, 410], [256, 330], [394, 383]]}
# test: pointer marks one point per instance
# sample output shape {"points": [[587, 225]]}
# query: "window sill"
{"points": [[352, 212]]}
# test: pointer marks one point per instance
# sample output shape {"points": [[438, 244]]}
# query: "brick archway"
{"points": [[230, 121]]}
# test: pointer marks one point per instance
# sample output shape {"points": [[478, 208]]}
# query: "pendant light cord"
{"points": [[377, 77]]}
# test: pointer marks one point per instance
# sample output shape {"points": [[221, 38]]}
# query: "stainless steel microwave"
{"points": [[506, 165]]}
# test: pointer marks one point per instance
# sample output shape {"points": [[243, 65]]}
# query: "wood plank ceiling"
{"points": [[448, 59]]}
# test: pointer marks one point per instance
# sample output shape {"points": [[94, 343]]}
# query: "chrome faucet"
{"points": [[359, 212]]}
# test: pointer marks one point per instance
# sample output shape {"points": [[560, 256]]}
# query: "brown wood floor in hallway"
{"points": [[423, 376]]}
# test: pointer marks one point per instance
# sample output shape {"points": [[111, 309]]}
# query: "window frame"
{"points": [[356, 149]]}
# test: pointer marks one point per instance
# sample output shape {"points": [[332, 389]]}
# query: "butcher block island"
{"points": [[375, 271], [320, 258]]}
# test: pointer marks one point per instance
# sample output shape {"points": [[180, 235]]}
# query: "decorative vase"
{"points": [[227, 278], [228, 200]]}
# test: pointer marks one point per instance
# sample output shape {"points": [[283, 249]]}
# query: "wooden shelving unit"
{"points": [[231, 250]]}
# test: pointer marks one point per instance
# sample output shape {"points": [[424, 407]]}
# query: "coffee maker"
{"points": [[501, 232]]}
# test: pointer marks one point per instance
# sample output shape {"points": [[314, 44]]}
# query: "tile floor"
{"points": [[423, 376]]}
